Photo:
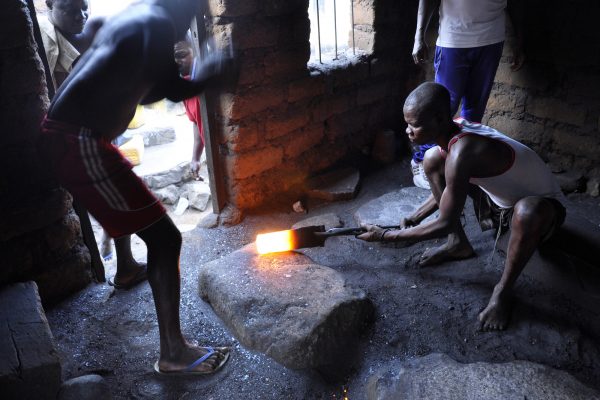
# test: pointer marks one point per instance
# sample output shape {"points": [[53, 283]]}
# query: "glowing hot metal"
{"points": [[274, 242]]}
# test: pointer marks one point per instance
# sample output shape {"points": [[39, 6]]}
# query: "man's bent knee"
{"points": [[433, 162], [162, 233]]}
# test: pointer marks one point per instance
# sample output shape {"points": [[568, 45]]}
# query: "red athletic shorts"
{"points": [[100, 178]]}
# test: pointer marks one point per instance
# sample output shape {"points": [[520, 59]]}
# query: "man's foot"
{"points": [[122, 281], [496, 315], [419, 177], [446, 252], [106, 249], [194, 361]]}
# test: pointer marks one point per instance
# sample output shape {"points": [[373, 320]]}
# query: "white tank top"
{"points": [[527, 175], [471, 23]]}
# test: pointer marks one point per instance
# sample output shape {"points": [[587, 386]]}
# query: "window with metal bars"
{"points": [[331, 31]]}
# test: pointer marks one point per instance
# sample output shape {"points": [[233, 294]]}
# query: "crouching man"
{"points": [[523, 192]]}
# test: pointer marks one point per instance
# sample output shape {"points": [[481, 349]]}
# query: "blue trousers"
{"points": [[468, 74]]}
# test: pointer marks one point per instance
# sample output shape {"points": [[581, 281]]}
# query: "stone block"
{"points": [[302, 140], [244, 165], [29, 366], [254, 101], [364, 12], [168, 194], [364, 38], [301, 314], [241, 136], [340, 184], [173, 176], [557, 110], [86, 387], [329, 221], [331, 106], [391, 208], [437, 376], [287, 65], [198, 194], [372, 92]]}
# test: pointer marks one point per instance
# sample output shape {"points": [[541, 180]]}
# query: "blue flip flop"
{"points": [[189, 370]]}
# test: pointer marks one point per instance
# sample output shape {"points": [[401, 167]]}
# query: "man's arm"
{"points": [[451, 205], [426, 10], [428, 207], [516, 13], [196, 152]]}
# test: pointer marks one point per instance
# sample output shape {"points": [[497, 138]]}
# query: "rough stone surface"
{"points": [[174, 176], [230, 216], [390, 208], [570, 181], [328, 220], [209, 221], [154, 135], [87, 387], [29, 365], [341, 184], [437, 376], [168, 194], [198, 194], [299, 313]]}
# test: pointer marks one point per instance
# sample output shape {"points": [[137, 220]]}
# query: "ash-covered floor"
{"points": [[419, 311]]}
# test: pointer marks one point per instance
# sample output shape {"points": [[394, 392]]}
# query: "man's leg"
{"points": [[457, 246], [129, 271], [163, 240], [532, 218], [484, 63]]}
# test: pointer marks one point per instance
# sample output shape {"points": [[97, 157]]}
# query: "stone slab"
{"points": [[390, 208], [299, 313], [86, 387], [438, 377], [29, 365], [174, 176], [341, 184], [154, 135], [329, 221]]}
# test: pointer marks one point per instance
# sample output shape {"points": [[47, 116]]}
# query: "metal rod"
{"points": [[319, 31], [335, 28], [353, 42]]}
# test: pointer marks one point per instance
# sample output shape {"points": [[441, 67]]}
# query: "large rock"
{"points": [[154, 134], [87, 387], [301, 314], [174, 176], [390, 208], [341, 184], [329, 221], [437, 376], [198, 194], [29, 363]]}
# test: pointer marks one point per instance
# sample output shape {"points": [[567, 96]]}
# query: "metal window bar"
{"points": [[335, 29]]}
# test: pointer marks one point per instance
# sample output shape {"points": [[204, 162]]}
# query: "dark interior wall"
{"points": [[284, 121], [39, 233], [553, 103]]}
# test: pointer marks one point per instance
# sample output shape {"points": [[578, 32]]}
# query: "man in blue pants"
{"points": [[467, 54]]}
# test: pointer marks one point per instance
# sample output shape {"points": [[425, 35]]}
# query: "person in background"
{"points": [[184, 57], [467, 53]]}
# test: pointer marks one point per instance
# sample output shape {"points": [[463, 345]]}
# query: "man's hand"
{"points": [[217, 65], [408, 222], [420, 51], [518, 58], [195, 170], [374, 233]]}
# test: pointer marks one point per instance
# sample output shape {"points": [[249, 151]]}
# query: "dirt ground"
{"points": [[419, 311]]}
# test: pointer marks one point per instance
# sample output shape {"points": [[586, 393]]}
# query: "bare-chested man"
{"points": [[131, 62], [519, 184]]}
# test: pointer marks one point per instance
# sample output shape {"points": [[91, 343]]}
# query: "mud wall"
{"points": [[39, 233], [553, 103], [284, 121]]}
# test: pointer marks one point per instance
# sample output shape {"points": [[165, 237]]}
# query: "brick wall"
{"points": [[284, 121], [553, 103], [39, 233]]}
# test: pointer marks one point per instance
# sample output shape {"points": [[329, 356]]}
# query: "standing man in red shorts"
{"points": [[131, 62]]}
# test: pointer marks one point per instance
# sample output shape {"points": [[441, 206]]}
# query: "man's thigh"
{"points": [[452, 69]]}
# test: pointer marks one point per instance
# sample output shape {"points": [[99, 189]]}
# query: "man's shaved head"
{"points": [[430, 98]]}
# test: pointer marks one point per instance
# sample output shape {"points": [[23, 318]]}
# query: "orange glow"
{"points": [[274, 242]]}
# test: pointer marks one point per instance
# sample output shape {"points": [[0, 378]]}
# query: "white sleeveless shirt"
{"points": [[471, 23], [527, 175]]}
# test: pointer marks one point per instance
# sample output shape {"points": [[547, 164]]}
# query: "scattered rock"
{"points": [[299, 313], [437, 376], [230, 216], [182, 205], [209, 221], [198, 193], [390, 208], [328, 220], [570, 181], [87, 387], [29, 365], [174, 176], [299, 207], [341, 184], [154, 135], [167, 195]]}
